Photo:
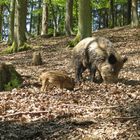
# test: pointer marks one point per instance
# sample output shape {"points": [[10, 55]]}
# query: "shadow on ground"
{"points": [[61, 127]]}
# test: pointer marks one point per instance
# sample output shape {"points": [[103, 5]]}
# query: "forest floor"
{"points": [[92, 111]]}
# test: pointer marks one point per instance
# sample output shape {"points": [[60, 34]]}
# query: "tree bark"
{"points": [[21, 21], [134, 16], [54, 18], [1, 11], [84, 19], [129, 11], [37, 59], [69, 17], [31, 18], [39, 19], [11, 22], [44, 30], [112, 12]]}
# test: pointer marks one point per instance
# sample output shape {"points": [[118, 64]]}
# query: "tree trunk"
{"points": [[116, 16], [39, 19], [134, 16], [31, 18], [69, 17], [54, 18], [44, 30], [1, 11], [84, 20], [19, 27], [21, 20], [129, 11], [112, 12], [76, 10], [99, 13], [11, 22]]}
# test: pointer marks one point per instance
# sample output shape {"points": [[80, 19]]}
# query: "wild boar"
{"points": [[59, 79], [97, 54]]}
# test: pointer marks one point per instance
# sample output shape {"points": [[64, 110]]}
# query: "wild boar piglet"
{"points": [[59, 79]]}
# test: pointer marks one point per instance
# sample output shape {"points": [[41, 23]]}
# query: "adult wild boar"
{"points": [[97, 54]]}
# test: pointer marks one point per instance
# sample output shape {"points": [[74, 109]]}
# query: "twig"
{"points": [[127, 118], [94, 108], [24, 113]]}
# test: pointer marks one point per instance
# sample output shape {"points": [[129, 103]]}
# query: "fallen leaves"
{"points": [[91, 111]]}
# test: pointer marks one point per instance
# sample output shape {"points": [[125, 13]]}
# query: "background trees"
{"points": [[69, 17], [55, 17], [44, 29], [84, 21], [134, 21]]}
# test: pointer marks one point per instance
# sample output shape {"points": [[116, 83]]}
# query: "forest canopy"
{"points": [[105, 14]]}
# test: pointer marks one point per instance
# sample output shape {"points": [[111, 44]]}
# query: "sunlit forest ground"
{"points": [[92, 111]]}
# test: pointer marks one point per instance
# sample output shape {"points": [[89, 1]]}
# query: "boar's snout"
{"points": [[109, 74]]}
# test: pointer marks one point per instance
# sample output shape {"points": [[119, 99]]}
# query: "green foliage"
{"points": [[59, 2], [12, 84], [37, 11], [73, 42], [101, 4], [105, 3], [121, 1], [2, 2]]}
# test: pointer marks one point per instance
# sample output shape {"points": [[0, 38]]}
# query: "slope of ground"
{"points": [[92, 111]]}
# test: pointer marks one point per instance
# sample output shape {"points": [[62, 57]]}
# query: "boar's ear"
{"points": [[124, 59], [112, 59]]}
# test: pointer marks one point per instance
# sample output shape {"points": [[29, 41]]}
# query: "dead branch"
{"points": [[127, 118], [93, 108], [24, 113]]}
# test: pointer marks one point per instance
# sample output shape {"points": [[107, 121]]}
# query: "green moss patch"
{"points": [[14, 48], [9, 78]]}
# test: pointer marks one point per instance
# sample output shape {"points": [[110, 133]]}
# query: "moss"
{"points": [[14, 48], [25, 47], [73, 42], [9, 78], [15, 83]]}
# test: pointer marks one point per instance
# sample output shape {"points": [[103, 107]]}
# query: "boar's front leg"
{"points": [[44, 85], [92, 70], [79, 69]]}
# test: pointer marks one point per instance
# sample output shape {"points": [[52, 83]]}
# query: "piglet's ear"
{"points": [[112, 59], [124, 59]]}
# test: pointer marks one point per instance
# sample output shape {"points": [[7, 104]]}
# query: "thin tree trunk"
{"points": [[112, 12], [11, 22], [54, 18], [134, 16], [31, 18], [69, 17], [44, 30], [129, 11], [39, 19], [1, 11]]}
